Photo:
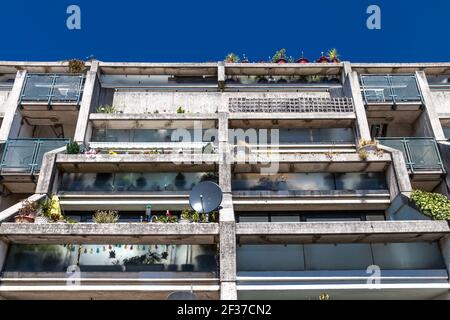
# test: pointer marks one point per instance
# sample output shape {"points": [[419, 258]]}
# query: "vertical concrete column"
{"points": [[445, 249], [221, 75], [3, 252], [352, 89], [432, 122], [11, 105], [86, 102], [227, 238]]}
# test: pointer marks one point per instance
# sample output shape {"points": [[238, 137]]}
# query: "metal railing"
{"points": [[51, 88], [301, 104], [390, 89], [421, 154], [25, 155]]}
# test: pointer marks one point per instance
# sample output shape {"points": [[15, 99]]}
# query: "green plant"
{"points": [[165, 219], [181, 110], [76, 66], [434, 205], [194, 216], [109, 109], [106, 216], [232, 58], [150, 257], [333, 55], [280, 54], [73, 147]]}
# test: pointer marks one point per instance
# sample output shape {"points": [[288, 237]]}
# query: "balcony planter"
{"points": [[187, 268], [24, 219], [146, 267]]}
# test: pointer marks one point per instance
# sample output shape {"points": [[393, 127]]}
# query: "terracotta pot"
{"points": [[302, 60], [24, 219], [281, 61], [323, 59]]}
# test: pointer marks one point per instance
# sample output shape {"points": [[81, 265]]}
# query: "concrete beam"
{"points": [[13, 210], [114, 233], [11, 105], [431, 114], [3, 253], [342, 232], [227, 240], [48, 171], [228, 291], [398, 173], [445, 249], [352, 89], [86, 103]]}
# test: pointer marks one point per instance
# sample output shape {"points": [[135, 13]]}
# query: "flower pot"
{"points": [[336, 60], [24, 219], [172, 267], [323, 59], [302, 60], [187, 267], [281, 61], [144, 267]]}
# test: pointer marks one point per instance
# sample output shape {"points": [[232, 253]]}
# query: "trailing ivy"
{"points": [[434, 205]]}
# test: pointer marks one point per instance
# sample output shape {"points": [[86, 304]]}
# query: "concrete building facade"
{"points": [[316, 161]]}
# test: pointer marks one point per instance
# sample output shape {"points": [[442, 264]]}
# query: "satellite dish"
{"points": [[182, 295], [205, 197]]}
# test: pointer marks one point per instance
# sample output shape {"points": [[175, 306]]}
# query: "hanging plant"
{"points": [[434, 205]]}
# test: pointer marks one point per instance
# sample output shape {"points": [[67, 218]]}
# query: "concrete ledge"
{"points": [[135, 158], [293, 115], [92, 233], [342, 232], [151, 117]]}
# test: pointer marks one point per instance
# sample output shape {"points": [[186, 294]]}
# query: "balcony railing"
{"points": [[302, 104], [25, 155], [421, 154], [52, 88], [390, 89]]}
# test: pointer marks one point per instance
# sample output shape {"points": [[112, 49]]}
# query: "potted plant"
{"points": [[323, 59], [232, 58], [149, 261], [186, 216], [167, 218], [43, 215], [27, 213], [333, 56], [302, 59], [244, 59], [280, 57], [106, 216]]}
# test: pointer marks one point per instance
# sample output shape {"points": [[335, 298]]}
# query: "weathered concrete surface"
{"points": [[342, 232], [11, 104], [48, 171], [86, 103], [33, 233], [227, 241], [228, 291], [431, 119], [353, 89], [398, 174]]}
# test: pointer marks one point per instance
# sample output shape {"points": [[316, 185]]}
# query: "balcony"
{"points": [[291, 105], [303, 271], [110, 269], [422, 157], [22, 160], [391, 92]]}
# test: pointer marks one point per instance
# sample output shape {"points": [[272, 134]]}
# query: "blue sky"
{"points": [[202, 30]]}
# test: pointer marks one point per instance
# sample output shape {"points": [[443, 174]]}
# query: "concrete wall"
{"points": [[193, 102], [3, 97], [442, 101]]}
